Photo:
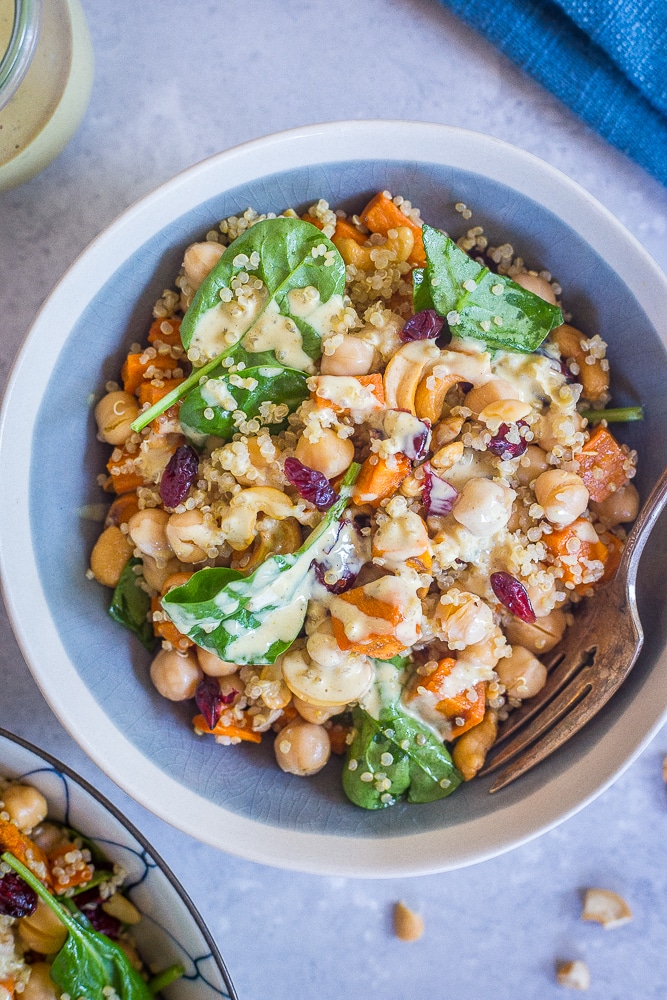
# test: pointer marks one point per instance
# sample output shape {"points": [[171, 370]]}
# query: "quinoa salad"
{"points": [[363, 474], [65, 924]]}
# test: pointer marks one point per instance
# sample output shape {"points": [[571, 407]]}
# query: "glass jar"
{"points": [[46, 75]]}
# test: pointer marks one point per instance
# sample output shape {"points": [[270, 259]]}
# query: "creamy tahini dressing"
{"points": [[224, 324], [473, 465], [532, 376], [274, 332], [305, 303], [346, 393], [260, 321], [402, 429], [279, 625], [393, 591], [385, 689], [422, 706]]}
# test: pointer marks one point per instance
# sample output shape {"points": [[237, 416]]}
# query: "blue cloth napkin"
{"points": [[605, 59]]}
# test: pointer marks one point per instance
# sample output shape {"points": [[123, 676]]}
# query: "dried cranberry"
{"points": [[499, 445], [210, 700], [420, 442], [17, 899], [102, 922], [179, 475], [424, 325], [438, 495], [339, 586], [311, 484], [512, 593]]}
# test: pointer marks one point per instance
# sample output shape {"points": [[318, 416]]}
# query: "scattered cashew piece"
{"points": [[574, 975], [606, 908], [408, 925]]}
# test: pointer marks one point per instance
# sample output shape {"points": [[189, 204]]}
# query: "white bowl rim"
{"points": [[148, 848], [324, 854]]}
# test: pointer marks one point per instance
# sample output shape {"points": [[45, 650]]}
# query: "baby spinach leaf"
{"points": [[421, 293], [395, 755], [286, 264], [477, 303], [254, 619], [88, 962], [289, 259], [209, 409], [130, 605]]}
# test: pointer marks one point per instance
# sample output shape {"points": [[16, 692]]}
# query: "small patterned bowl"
{"points": [[95, 676], [171, 929]]}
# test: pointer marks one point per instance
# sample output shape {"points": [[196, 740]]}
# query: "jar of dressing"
{"points": [[46, 75]]}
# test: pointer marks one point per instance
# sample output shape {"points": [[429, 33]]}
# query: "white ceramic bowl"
{"points": [[236, 798], [171, 929]]}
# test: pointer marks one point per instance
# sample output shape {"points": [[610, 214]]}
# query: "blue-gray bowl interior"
{"points": [[66, 459]]}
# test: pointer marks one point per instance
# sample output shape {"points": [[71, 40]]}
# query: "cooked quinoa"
{"points": [[485, 508]]}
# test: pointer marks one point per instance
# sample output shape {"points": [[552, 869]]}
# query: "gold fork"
{"points": [[588, 665]]}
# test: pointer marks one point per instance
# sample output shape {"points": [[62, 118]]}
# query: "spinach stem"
{"points": [[618, 415], [145, 417], [164, 978]]}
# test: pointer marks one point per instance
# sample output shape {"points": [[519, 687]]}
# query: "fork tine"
{"points": [[561, 670], [548, 720], [572, 709]]}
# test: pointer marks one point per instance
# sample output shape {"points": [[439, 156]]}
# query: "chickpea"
{"points": [[42, 930], [109, 556], [466, 623], [489, 392], [486, 653], [538, 286], [302, 748], [592, 375], [175, 674], [312, 713], [329, 455], [484, 506], [48, 837], [531, 464], [522, 673], [188, 536], [542, 596], [199, 260], [156, 573], [541, 636], [471, 748], [212, 665], [40, 986], [352, 356], [114, 413], [147, 529], [275, 693], [26, 806], [555, 427], [562, 495], [619, 507]]}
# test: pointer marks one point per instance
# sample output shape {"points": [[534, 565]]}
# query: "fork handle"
{"points": [[642, 528]]}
